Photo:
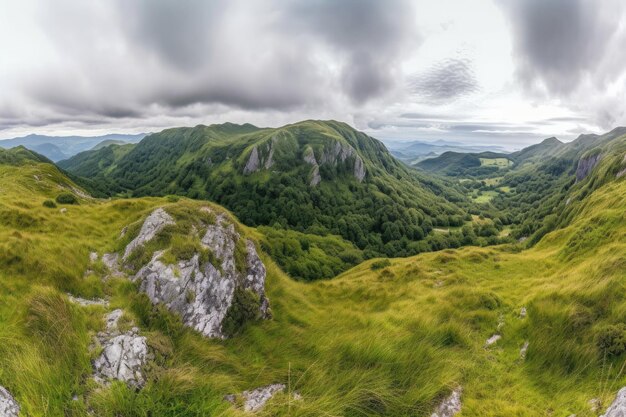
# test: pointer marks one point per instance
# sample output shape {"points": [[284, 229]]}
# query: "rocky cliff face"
{"points": [[332, 154], [261, 156], [586, 165], [198, 290]]}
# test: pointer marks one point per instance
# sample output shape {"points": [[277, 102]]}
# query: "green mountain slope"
{"points": [[312, 177], [392, 337]]}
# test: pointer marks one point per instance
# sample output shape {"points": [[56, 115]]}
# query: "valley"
{"points": [[516, 328]]}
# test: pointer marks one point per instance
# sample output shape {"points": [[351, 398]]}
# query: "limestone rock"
{"points": [[255, 399], [93, 256], [8, 406], [618, 407], [339, 153], [309, 158], [253, 163], [586, 165], [493, 339], [450, 406], [359, 169], [202, 293], [151, 227], [123, 355], [123, 358]]}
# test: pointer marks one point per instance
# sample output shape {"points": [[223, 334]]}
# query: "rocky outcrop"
{"points": [[253, 163], [200, 292], [8, 406], [255, 399], [586, 165], [260, 156], [309, 158], [340, 153], [155, 222], [450, 405], [618, 407], [123, 354]]}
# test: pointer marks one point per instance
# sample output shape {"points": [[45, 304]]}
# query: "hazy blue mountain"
{"points": [[412, 152], [57, 148]]}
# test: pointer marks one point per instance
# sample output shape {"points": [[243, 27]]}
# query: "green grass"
{"points": [[484, 196], [388, 341]]}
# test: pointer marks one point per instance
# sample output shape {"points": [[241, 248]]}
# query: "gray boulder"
{"points": [[153, 224], [8, 406], [450, 405], [255, 399], [123, 355]]}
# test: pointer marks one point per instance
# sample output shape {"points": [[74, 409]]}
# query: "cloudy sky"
{"points": [[505, 72]]}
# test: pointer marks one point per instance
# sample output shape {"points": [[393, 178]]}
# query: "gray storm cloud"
{"points": [[126, 58], [446, 81], [559, 44]]}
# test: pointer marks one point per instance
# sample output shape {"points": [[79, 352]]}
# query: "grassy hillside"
{"points": [[385, 338], [312, 177]]}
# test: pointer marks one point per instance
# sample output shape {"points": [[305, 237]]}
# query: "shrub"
{"points": [[611, 339], [49, 204], [383, 263], [66, 198], [244, 308]]}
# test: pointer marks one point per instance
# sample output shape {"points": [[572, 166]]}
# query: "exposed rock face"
{"points": [[339, 153], [359, 169], [262, 157], [493, 339], [618, 407], [151, 227], [253, 163], [256, 160], [202, 293], [8, 406], [585, 166], [255, 399], [309, 158], [450, 406], [123, 355]]}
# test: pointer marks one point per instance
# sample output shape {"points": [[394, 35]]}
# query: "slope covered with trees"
{"points": [[312, 177]]}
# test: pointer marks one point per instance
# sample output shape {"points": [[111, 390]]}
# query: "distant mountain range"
{"points": [[412, 152], [57, 148]]}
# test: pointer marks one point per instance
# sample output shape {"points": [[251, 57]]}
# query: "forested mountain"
{"points": [[313, 177]]}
